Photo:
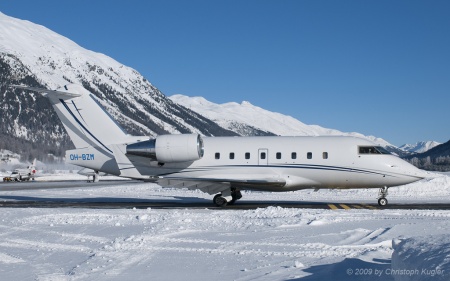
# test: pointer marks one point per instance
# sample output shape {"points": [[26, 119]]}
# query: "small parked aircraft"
{"points": [[23, 174]]}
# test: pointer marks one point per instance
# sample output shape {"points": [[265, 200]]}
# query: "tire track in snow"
{"points": [[8, 259], [30, 244], [314, 250]]}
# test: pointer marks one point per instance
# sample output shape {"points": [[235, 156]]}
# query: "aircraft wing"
{"points": [[214, 185]]}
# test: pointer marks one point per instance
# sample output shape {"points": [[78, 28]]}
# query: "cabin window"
{"points": [[373, 150], [247, 155], [325, 155], [231, 155], [278, 155], [263, 155], [217, 155], [309, 155], [294, 155]]}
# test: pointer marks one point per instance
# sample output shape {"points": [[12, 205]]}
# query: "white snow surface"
{"points": [[271, 243], [228, 114]]}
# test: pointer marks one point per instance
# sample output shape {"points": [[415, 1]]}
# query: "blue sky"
{"points": [[376, 67]]}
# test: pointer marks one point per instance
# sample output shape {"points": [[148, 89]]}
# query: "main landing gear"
{"points": [[227, 197], [382, 201]]}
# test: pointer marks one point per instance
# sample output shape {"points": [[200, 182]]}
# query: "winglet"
{"points": [[45, 92]]}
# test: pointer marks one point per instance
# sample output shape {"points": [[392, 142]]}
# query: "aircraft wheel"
{"points": [[382, 202], [219, 201]]}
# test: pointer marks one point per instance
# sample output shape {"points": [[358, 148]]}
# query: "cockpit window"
{"points": [[373, 150], [382, 150]]}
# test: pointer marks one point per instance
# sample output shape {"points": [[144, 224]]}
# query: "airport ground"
{"points": [[40, 202], [115, 230]]}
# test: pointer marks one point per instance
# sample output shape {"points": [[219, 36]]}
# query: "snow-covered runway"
{"points": [[272, 243]]}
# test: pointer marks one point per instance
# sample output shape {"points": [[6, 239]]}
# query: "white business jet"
{"points": [[223, 165]]}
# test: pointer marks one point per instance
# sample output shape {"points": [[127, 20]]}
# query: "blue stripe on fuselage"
{"points": [[290, 166]]}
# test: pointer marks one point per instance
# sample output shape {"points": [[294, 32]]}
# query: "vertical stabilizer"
{"points": [[86, 121], [33, 167]]}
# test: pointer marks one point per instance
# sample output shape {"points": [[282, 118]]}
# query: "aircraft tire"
{"points": [[219, 201], [382, 202]]}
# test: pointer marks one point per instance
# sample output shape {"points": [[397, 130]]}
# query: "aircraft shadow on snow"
{"points": [[350, 269], [100, 202], [115, 203]]}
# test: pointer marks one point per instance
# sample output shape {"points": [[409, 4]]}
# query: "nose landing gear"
{"points": [[382, 201]]}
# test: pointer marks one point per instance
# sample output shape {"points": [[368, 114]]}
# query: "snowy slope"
{"points": [[33, 54], [230, 114], [9, 157], [419, 147]]}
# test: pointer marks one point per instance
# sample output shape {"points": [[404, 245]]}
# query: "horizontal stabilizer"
{"points": [[45, 92]]}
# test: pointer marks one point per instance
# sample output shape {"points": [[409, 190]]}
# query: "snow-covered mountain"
{"points": [[419, 147], [234, 116], [434, 159], [55, 60], [33, 55]]}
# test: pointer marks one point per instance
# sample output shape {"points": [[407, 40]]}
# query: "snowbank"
{"points": [[421, 258]]}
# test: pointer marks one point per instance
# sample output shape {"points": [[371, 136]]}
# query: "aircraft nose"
{"points": [[420, 174], [415, 173], [410, 172]]}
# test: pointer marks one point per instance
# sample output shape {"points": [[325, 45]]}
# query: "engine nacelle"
{"points": [[169, 148]]}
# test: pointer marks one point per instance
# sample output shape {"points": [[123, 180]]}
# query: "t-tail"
{"points": [[32, 167], [92, 130]]}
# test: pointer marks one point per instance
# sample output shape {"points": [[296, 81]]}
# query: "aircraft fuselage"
{"points": [[299, 162]]}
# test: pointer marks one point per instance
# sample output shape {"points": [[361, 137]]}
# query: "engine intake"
{"points": [[169, 148]]}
